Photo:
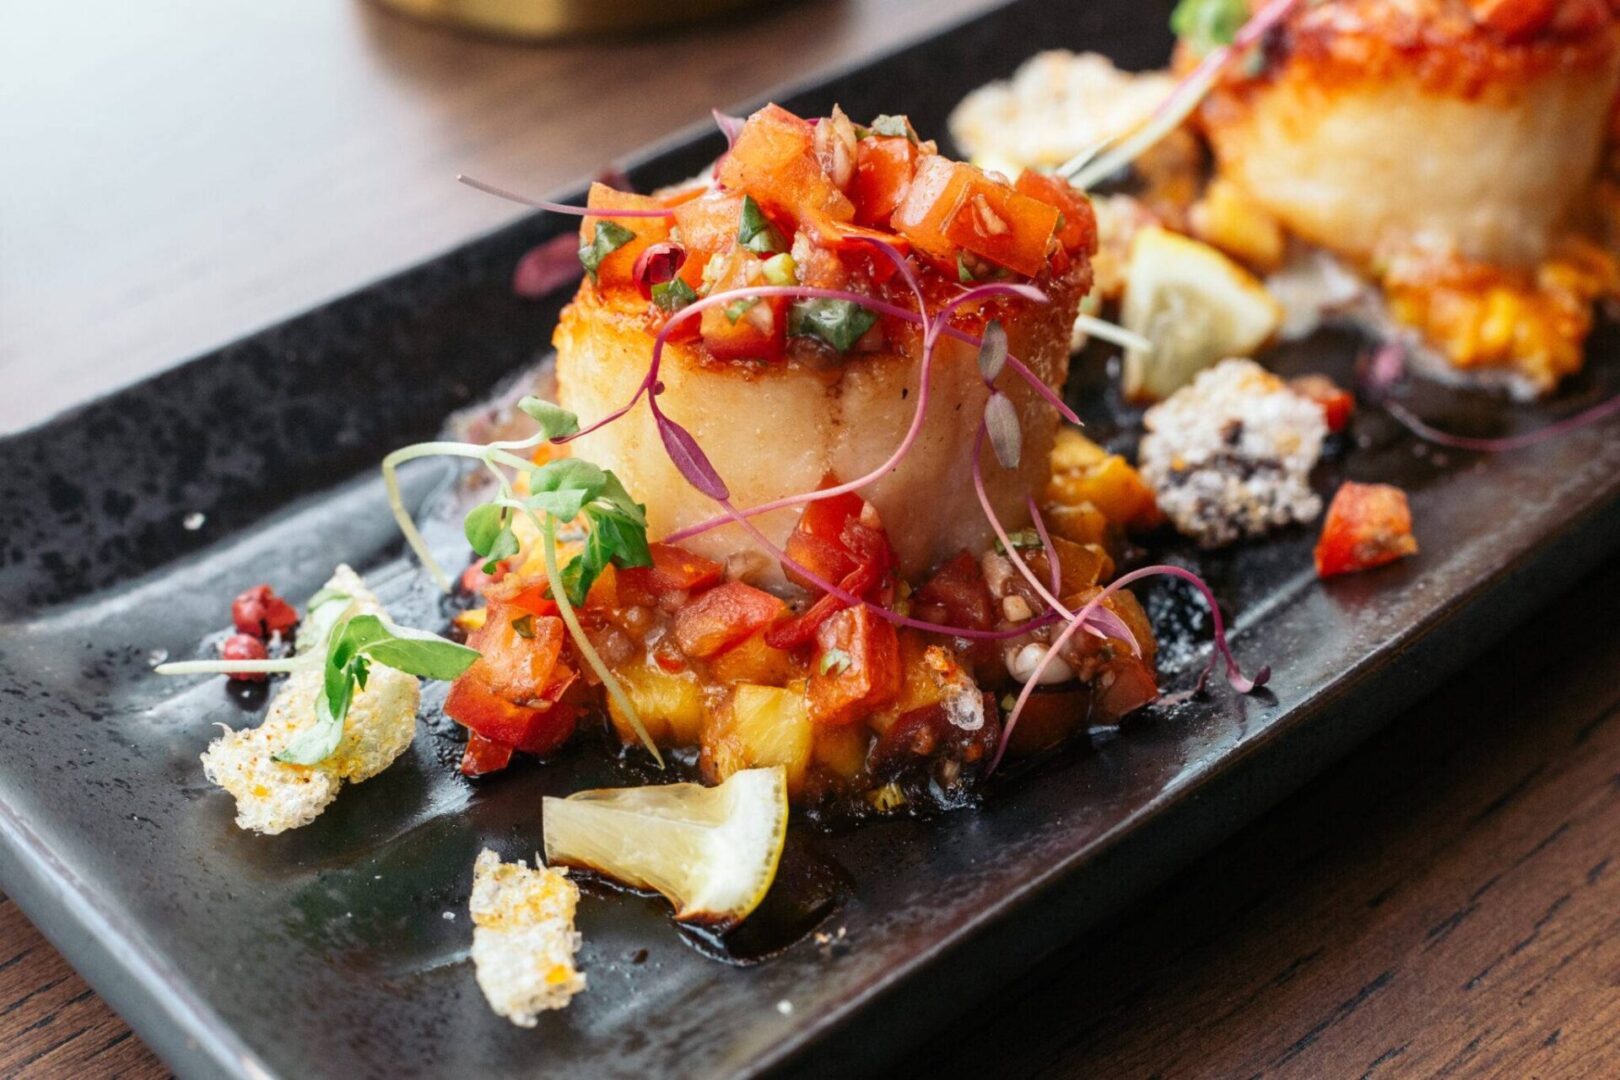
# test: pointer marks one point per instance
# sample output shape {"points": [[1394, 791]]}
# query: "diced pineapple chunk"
{"points": [[1084, 473], [1081, 523], [669, 704], [1232, 221], [761, 727], [754, 661], [842, 749]]}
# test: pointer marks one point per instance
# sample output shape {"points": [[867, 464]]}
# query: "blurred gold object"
{"points": [[539, 19]]}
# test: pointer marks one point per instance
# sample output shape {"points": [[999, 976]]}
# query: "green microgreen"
{"points": [[565, 491], [353, 645], [1206, 25]]}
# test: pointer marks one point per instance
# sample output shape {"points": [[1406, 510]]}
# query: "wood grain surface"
{"points": [[1443, 903]]}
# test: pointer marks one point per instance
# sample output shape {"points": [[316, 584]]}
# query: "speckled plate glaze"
{"points": [[339, 949]]}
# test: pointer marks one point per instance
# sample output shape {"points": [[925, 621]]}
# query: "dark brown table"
{"points": [[1444, 902]]}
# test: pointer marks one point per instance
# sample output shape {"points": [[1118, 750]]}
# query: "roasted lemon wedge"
{"points": [[1197, 307], [712, 852]]}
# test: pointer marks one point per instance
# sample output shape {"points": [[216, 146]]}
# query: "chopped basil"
{"points": [[672, 295], [963, 273], [755, 231], [840, 323], [608, 238], [898, 127], [736, 308], [1206, 25], [523, 627]]}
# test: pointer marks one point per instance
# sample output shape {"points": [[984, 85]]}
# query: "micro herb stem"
{"points": [[548, 533]]}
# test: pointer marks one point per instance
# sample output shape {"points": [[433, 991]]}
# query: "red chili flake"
{"points": [[260, 613], [244, 647]]}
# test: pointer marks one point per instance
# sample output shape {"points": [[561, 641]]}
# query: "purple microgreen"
{"points": [[1055, 569], [1006, 436], [688, 457], [547, 267], [1380, 373], [561, 208], [1222, 650], [730, 126], [992, 350]]}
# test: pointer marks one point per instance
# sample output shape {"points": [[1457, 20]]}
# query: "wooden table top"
{"points": [[1444, 902]]}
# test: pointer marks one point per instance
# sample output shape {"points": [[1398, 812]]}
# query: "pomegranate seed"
{"points": [[244, 647]]}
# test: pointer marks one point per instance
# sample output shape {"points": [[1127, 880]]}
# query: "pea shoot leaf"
{"points": [[1206, 25], [353, 646], [554, 420]]}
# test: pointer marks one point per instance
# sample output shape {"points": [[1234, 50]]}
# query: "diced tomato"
{"points": [[483, 756], [260, 612], [473, 579], [831, 536], [856, 668], [708, 226], [957, 595], [520, 653], [1124, 686], [774, 160], [1051, 715], [714, 621], [1337, 404], [529, 596], [475, 706], [817, 543], [617, 269], [674, 570], [1515, 20], [953, 206], [1367, 525], [746, 331], [883, 169], [1077, 231]]}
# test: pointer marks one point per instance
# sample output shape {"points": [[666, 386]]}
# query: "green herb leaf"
{"points": [[484, 525], [672, 295], [562, 488], [554, 420], [506, 545], [326, 596], [1206, 25], [736, 309], [614, 495], [609, 237], [894, 126], [840, 323], [613, 538], [755, 231], [523, 627], [354, 644], [834, 662]]}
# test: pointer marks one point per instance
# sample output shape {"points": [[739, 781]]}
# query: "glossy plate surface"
{"points": [[126, 526]]}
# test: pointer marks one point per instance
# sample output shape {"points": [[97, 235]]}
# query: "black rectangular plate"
{"points": [[338, 949]]}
